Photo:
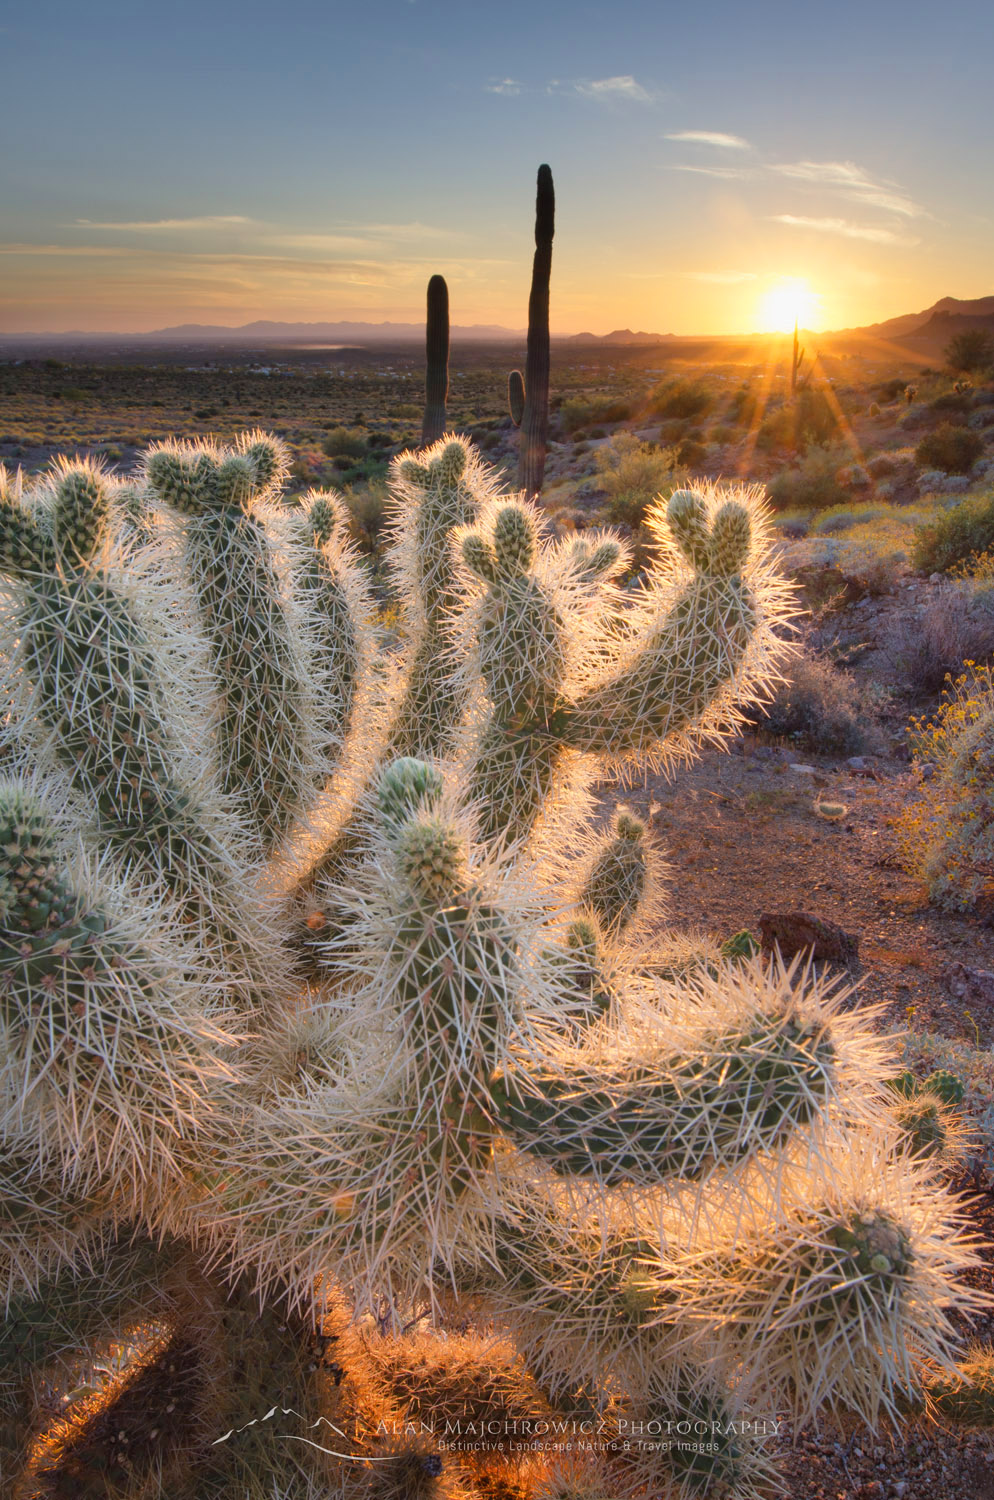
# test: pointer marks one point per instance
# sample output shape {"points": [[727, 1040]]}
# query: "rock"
{"points": [[973, 986], [857, 762], [935, 578], [798, 932], [927, 770], [804, 770]]}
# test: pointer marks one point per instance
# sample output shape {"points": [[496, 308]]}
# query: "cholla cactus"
{"points": [[322, 997]]}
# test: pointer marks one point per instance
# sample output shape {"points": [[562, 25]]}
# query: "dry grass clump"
{"points": [[821, 705], [954, 625]]}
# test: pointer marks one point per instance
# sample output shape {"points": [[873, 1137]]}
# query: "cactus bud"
{"points": [[432, 858], [404, 786], [514, 541]]}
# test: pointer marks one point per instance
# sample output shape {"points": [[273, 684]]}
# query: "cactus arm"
{"points": [[743, 1093], [516, 396], [106, 1052], [671, 678], [266, 754], [88, 673], [436, 361]]}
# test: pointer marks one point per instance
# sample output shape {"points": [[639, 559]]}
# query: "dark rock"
{"points": [[799, 932], [972, 986]]}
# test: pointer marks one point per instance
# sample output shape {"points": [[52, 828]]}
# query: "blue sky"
{"points": [[222, 162]]}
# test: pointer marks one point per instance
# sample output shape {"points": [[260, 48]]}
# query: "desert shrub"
{"points": [[345, 442], [680, 398], [842, 517], [946, 836], [367, 508], [809, 420], [955, 624], [953, 537], [973, 349], [691, 454], [957, 401], [633, 474], [820, 705], [890, 390], [577, 412], [742, 407], [810, 484], [953, 449]]}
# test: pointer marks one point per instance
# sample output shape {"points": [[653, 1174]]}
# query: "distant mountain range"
{"points": [[925, 332], [936, 325]]}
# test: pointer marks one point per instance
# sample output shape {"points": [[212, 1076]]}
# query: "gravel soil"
{"points": [[742, 838]]}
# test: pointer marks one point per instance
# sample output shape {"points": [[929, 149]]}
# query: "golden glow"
{"points": [[787, 302]]}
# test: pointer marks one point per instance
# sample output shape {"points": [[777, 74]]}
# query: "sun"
{"points": [[789, 301]]}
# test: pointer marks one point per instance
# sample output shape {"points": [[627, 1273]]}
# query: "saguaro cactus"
{"points": [[225, 1150], [436, 361], [528, 395]]}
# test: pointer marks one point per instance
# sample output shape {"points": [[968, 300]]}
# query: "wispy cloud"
{"points": [[712, 171], [622, 86], [845, 227], [710, 138], [14, 248], [504, 86], [721, 278], [205, 221], [853, 181]]}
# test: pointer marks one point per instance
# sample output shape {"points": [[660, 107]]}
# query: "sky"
{"points": [[718, 166]]}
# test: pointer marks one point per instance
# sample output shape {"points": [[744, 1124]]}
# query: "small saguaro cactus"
{"points": [[528, 394], [436, 361], [476, 1085]]}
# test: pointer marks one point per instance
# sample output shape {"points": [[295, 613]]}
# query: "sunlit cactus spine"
{"points": [[394, 1038]]}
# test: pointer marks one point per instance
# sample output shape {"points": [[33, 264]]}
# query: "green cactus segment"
{"points": [[672, 676], [950, 1088], [328, 568], [616, 882], [522, 654], [436, 361], [80, 514], [923, 1120], [438, 495], [94, 681], [745, 1093], [703, 1448], [535, 414], [516, 397], [740, 945], [966, 1398], [37, 895], [25, 548], [99, 1061], [265, 757], [403, 786]]}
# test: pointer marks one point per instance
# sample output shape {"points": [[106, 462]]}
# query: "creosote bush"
{"points": [[633, 474], [955, 536], [954, 450], [947, 834], [326, 1008]]}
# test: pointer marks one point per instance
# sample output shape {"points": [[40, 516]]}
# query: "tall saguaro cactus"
{"points": [[528, 397], [485, 1089], [436, 361]]}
